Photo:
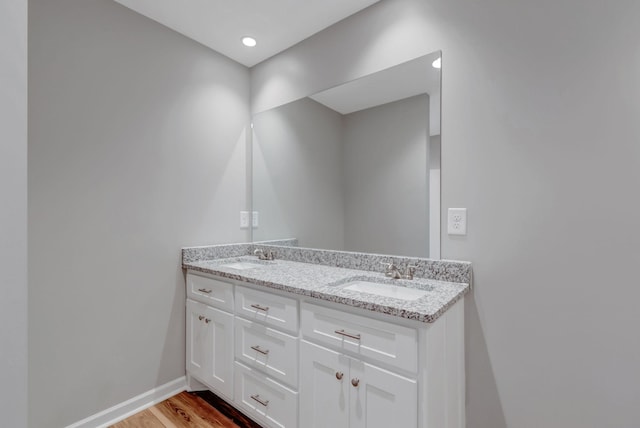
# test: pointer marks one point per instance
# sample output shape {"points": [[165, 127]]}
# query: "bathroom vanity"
{"points": [[319, 338]]}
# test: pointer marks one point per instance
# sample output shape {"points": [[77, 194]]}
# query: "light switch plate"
{"points": [[457, 221]]}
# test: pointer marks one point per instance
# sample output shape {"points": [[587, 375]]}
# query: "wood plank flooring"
{"points": [[184, 410]]}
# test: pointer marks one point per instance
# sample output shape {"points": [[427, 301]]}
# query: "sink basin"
{"points": [[243, 265], [386, 290]]}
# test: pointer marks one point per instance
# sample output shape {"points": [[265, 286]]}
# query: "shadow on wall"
{"points": [[482, 398]]}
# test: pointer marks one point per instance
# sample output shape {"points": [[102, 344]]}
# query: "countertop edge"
{"points": [[426, 317]]}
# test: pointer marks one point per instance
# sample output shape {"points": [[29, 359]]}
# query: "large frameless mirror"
{"points": [[355, 167]]}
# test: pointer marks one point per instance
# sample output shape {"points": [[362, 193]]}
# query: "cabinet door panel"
{"points": [[324, 398], [197, 339], [219, 369], [381, 398]]}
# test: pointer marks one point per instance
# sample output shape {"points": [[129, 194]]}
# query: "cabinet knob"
{"points": [[355, 382], [207, 320], [339, 375], [200, 317]]}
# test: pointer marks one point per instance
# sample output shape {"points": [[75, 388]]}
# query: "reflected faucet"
{"points": [[269, 255]]}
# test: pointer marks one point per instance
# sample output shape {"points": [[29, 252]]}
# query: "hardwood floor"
{"points": [[182, 410]]}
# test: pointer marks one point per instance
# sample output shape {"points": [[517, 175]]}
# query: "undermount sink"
{"points": [[385, 290], [243, 265]]}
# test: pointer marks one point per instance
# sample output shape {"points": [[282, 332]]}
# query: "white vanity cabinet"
{"points": [[290, 361]]}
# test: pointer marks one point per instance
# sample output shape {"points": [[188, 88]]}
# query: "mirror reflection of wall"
{"points": [[355, 167]]}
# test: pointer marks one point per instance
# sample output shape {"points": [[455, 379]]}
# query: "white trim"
{"points": [[132, 406]]}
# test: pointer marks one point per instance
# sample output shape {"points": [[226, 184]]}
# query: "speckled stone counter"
{"points": [[323, 274]]}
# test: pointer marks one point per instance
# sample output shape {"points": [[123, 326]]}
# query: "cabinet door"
{"points": [[218, 371], [197, 339], [210, 347], [380, 398], [324, 387]]}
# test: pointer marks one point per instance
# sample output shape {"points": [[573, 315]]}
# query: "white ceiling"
{"points": [[396, 83], [220, 24]]}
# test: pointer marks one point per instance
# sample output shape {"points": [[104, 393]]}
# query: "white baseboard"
{"points": [[134, 405]]}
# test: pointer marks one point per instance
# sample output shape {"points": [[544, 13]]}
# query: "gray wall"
{"points": [[298, 174], [13, 213], [385, 186], [532, 92], [136, 148]]}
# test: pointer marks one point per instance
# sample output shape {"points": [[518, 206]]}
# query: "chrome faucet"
{"points": [[269, 255], [392, 271]]}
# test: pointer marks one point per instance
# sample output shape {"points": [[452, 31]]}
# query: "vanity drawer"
{"points": [[267, 308], [376, 340], [213, 292], [267, 349], [265, 400]]}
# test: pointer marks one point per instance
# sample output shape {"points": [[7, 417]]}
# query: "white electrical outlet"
{"points": [[254, 219], [244, 219], [457, 221]]}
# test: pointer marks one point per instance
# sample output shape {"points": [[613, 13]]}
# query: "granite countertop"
{"points": [[327, 283]]}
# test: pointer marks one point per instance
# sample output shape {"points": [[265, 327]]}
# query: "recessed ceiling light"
{"points": [[437, 63], [249, 41]]}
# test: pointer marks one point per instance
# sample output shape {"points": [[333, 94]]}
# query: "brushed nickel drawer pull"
{"points": [[339, 375], [256, 397], [260, 308], [200, 317], [262, 351], [204, 290], [355, 382], [344, 333]]}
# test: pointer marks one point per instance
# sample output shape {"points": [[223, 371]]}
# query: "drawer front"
{"points": [[267, 308], [376, 340], [267, 349], [265, 400], [213, 292]]}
